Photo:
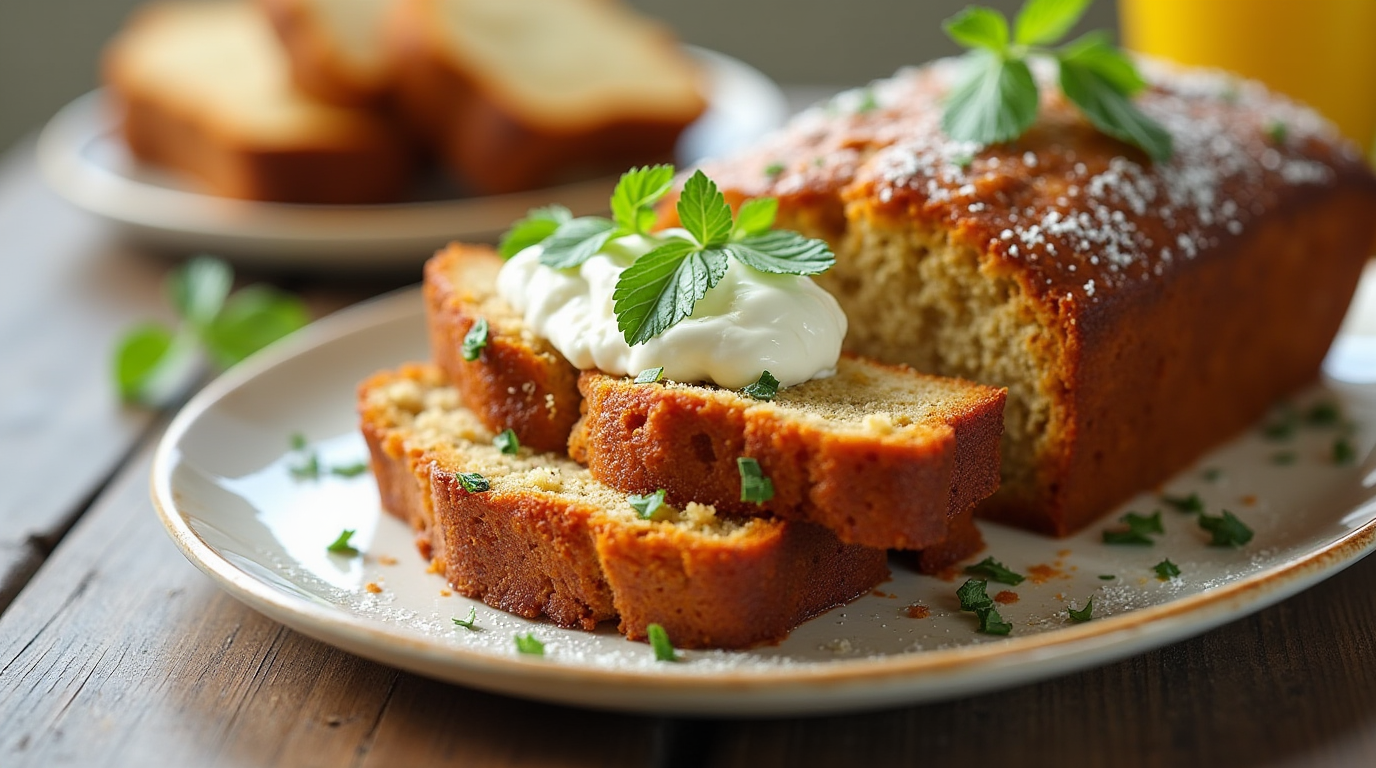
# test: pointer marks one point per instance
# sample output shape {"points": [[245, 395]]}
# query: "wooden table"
{"points": [[114, 650]]}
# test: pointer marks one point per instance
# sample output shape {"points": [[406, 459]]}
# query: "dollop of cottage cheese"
{"points": [[748, 323]]}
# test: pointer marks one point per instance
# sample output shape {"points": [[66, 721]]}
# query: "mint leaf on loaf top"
{"points": [[996, 98]]}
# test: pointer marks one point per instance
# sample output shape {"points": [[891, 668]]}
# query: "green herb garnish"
{"points": [[650, 375], [538, 225], [507, 442], [308, 469], [468, 622], [646, 506], [991, 623], [659, 641], [993, 569], [1166, 570], [764, 388], [475, 340], [1084, 614], [754, 485], [996, 98], [1276, 131], [529, 645], [1138, 529], [1283, 427], [350, 470], [341, 546], [773, 169], [1324, 413], [662, 287], [1107, 577], [153, 362], [1227, 530], [1190, 504], [1343, 452], [972, 595], [473, 482]]}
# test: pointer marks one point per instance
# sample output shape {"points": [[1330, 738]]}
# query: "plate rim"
{"points": [[857, 683]]}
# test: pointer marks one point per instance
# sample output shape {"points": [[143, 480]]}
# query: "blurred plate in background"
{"points": [[84, 159]]}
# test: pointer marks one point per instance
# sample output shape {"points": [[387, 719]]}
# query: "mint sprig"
{"points": [[538, 225], [153, 362], [662, 287], [996, 98]]}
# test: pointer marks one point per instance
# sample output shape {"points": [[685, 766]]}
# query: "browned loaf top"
{"points": [[1138, 313], [878, 454], [204, 88], [547, 538], [335, 47]]}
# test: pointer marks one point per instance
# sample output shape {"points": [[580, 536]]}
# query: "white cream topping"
{"points": [[750, 322]]}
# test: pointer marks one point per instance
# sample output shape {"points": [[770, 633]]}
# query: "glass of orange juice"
{"points": [[1320, 52]]}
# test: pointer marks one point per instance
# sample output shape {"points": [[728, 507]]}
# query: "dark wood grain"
{"points": [[119, 652]]}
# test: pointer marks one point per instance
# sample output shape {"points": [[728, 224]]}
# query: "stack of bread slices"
{"points": [[339, 101], [586, 497]]}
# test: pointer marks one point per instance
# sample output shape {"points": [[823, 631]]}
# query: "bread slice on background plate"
{"points": [[335, 47], [540, 536], [879, 455], [519, 94], [204, 88]]}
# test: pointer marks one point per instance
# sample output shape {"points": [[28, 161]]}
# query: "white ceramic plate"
{"points": [[83, 157], [221, 483]]}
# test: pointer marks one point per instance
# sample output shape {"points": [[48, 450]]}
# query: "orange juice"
{"points": [[1320, 52]]}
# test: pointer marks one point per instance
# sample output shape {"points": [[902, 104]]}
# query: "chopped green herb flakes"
{"points": [[646, 506], [473, 482], [773, 169], [1343, 452], [507, 442], [341, 546], [1191, 503], [1084, 614], [475, 340], [650, 375], [994, 570], [528, 644], [1137, 531], [1166, 570], [1107, 577], [468, 622], [763, 389], [754, 485], [349, 470], [659, 641], [974, 598], [1227, 530]]}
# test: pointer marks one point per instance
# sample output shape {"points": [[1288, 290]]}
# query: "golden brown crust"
{"points": [[364, 159], [1179, 299], [519, 381], [488, 143], [317, 65], [893, 489], [532, 553]]}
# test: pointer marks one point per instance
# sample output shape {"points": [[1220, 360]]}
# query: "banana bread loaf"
{"points": [[1138, 313]]}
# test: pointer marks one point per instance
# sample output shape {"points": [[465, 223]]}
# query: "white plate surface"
{"points": [[82, 156], [222, 485]]}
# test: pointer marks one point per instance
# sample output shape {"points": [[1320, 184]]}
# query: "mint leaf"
{"points": [[646, 506], [198, 290], [977, 27], [1097, 52], [702, 210], [252, 318], [636, 193], [659, 641], [538, 225], [1110, 111], [993, 569], [529, 645], [765, 388], [139, 357], [650, 375], [990, 622], [475, 341], [1138, 528], [474, 482], [1166, 570], [994, 101], [1042, 22], [575, 241], [754, 485], [783, 253], [755, 217], [972, 595], [1191, 504], [662, 287], [1343, 452], [341, 546]]}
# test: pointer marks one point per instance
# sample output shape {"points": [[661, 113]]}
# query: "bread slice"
{"points": [[547, 538], [203, 88], [880, 455], [335, 47], [523, 93]]}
